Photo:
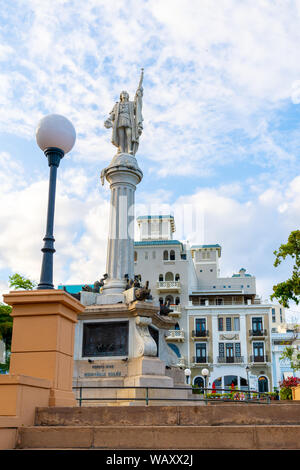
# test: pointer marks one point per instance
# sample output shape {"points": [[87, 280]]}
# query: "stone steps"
{"points": [[165, 427]]}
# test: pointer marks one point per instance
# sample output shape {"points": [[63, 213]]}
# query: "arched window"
{"points": [[135, 256], [170, 298], [177, 301], [169, 277], [263, 384], [166, 255], [160, 278], [177, 277], [218, 382], [172, 255]]}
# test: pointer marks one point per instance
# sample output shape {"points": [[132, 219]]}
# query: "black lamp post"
{"points": [[56, 136]]}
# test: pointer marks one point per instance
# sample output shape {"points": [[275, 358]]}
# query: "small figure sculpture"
{"points": [[97, 285], [143, 293], [165, 308], [126, 121]]}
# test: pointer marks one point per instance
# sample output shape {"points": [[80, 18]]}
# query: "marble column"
{"points": [[123, 174]]}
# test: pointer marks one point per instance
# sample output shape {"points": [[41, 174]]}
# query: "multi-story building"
{"points": [[222, 324]]}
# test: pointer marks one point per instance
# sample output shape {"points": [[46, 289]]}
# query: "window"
{"points": [[237, 347], [170, 298], [281, 319], [200, 352], [200, 325], [229, 352], [177, 277], [166, 255], [273, 315], [218, 382], [172, 255], [257, 324], [135, 256], [177, 301], [221, 350], [169, 277], [220, 324], [153, 254], [258, 351], [160, 278], [219, 301], [236, 323], [229, 380], [228, 324]]}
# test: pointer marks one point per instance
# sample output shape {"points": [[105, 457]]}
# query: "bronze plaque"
{"points": [[105, 339]]}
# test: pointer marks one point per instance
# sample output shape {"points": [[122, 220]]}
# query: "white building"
{"points": [[222, 323]]}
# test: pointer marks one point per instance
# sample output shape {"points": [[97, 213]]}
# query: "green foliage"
{"points": [[289, 289], [6, 323], [293, 355], [20, 282]]}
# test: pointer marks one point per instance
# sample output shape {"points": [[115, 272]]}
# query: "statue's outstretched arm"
{"points": [[109, 121]]}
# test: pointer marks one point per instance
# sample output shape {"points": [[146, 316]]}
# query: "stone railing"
{"points": [[174, 286], [175, 335], [176, 311]]}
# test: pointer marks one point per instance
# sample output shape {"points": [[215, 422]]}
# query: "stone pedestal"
{"points": [[43, 339], [140, 367]]}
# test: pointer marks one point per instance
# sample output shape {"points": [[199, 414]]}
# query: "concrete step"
{"points": [[170, 437], [210, 415]]}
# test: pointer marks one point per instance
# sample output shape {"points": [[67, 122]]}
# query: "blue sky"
{"points": [[221, 126]]}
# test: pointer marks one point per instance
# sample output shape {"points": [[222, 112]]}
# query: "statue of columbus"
{"points": [[126, 121]]}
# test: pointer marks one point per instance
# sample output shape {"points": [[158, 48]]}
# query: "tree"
{"points": [[289, 290], [20, 282], [293, 355], [6, 321]]}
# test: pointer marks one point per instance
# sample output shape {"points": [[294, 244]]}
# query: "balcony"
{"points": [[259, 359], [168, 286], [175, 335], [176, 313], [258, 333], [201, 360], [200, 334], [230, 360]]}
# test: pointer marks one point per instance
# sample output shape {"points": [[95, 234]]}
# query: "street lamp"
{"points": [[205, 373], [187, 373], [56, 136]]}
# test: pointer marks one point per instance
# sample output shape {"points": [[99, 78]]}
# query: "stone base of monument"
{"points": [[121, 353]]}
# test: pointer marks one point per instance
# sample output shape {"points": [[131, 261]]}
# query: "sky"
{"points": [[220, 147]]}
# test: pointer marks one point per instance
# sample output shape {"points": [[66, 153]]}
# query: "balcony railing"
{"points": [[260, 359], [175, 335], [201, 360], [176, 313], [170, 286], [231, 360], [260, 332], [200, 333]]}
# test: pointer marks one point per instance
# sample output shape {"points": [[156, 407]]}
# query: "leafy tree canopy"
{"points": [[20, 282], [289, 290]]}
